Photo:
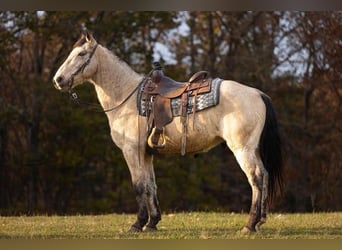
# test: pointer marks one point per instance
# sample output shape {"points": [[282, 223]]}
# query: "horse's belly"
{"points": [[192, 146], [198, 139]]}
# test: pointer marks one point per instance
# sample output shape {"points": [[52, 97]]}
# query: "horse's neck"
{"points": [[114, 79]]}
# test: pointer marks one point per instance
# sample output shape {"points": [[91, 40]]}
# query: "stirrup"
{"points": [[151, 144]]}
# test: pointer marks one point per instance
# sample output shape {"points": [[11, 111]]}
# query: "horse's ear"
{"points": [[88, 36]]}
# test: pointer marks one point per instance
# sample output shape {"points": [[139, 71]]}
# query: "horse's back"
{"points": [[239, 93]]}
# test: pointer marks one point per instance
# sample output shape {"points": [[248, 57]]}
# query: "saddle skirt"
{"points": [[203, 100]]}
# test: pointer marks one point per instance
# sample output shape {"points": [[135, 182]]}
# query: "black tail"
{"points": [[270, 150]]}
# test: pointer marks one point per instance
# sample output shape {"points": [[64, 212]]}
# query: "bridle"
{"points": [[81, 69], [93, 106]]}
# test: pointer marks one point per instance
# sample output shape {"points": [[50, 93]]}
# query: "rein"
{"points": [[96, 107]]}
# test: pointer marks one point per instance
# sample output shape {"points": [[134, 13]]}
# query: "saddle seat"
{"points": [[169, 88]]}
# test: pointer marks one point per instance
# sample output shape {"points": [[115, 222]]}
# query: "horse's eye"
{"points": [[82, 53]]}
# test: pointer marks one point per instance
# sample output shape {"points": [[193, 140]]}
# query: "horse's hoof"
{"points": [[247, 230], [258, 225], [150, 229], [134, 229]]}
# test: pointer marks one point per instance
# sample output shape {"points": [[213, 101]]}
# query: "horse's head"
{"points": [[80, 65]]}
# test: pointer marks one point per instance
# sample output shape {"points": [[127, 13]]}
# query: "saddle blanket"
{"points": [[203, 101]]}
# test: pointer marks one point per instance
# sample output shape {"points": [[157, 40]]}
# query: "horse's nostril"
{"points": [[58, 82], [59, 79]]}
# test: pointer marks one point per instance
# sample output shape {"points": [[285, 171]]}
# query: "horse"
{"points": [[244, 120]]}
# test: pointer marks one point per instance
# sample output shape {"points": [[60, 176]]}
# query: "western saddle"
{"points": [[158, 92]]}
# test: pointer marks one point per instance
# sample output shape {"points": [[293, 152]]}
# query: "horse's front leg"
{"points": [[143, 179]]}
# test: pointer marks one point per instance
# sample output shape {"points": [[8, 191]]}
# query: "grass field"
{"points": [[194, 225]]}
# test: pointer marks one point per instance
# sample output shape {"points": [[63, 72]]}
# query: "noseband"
{"points": [[81, 69]]}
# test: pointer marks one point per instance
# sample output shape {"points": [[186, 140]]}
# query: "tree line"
{"points": [[58, 158]]}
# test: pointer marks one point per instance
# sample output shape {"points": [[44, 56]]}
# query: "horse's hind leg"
{"points": [[254, 170], [264, 192], [143, 180]]}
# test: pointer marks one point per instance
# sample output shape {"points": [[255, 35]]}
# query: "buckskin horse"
{"points": [[244, 119]]}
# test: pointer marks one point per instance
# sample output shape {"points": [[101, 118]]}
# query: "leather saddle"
{"points": [[158, 92], [169, 88]]}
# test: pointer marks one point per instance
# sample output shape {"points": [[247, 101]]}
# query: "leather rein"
{"points": [[94, 106], [97, 107]]}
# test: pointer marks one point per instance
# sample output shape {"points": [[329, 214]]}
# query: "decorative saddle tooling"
{"points": [[161, 98]]}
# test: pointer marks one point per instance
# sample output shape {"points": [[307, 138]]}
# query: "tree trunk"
{"points": [[211, 51], [192, 41]]}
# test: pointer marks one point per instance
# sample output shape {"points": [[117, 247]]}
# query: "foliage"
{"points": [[57, 158]]}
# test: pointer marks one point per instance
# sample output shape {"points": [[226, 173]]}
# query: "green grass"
{"points": [[195, 225]]}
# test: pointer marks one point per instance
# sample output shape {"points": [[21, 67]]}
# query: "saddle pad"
{"points": [[203, 101]]}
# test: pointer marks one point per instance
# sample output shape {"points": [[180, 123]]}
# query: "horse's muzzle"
{"points": [[61, 84]]}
